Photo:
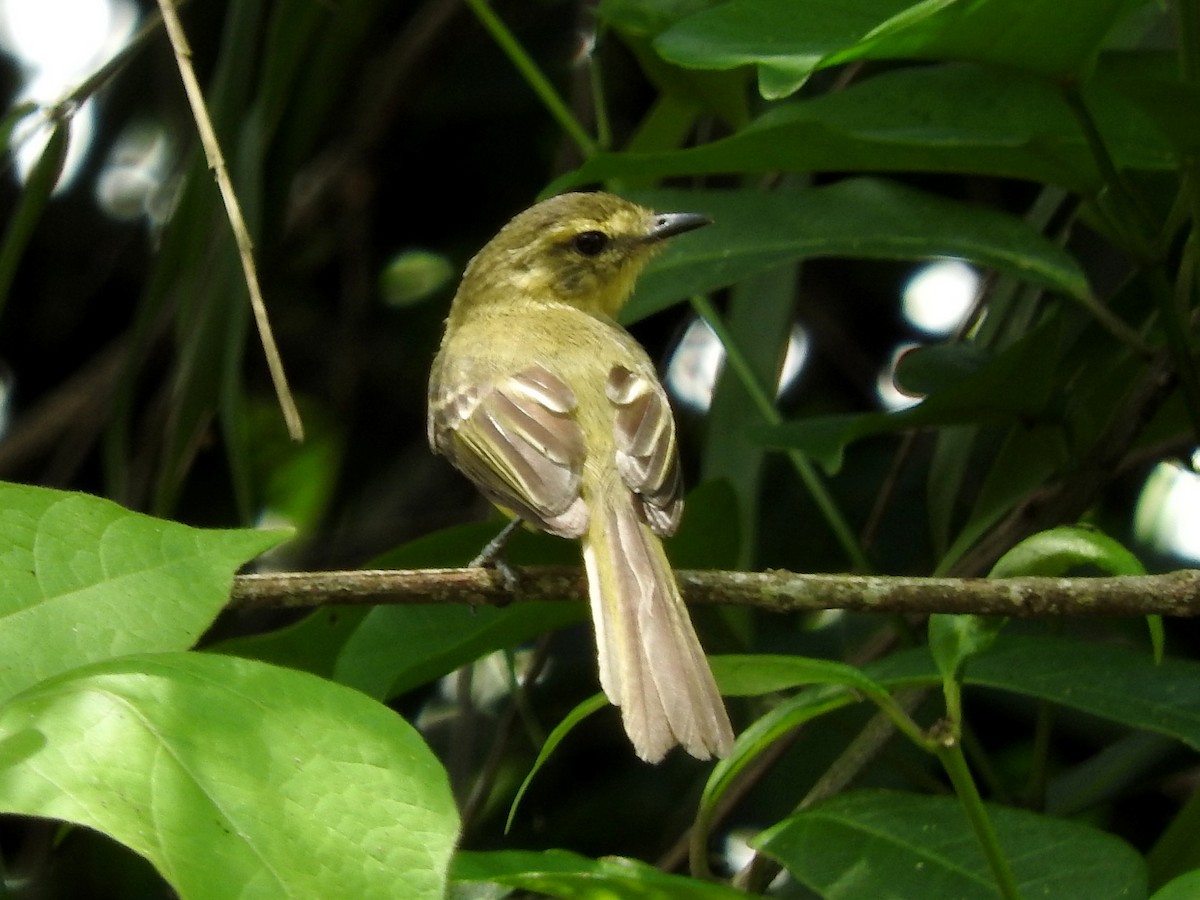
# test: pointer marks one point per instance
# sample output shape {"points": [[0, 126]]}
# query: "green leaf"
{"points": [[1112, 682], [866, 218], [948, 470], [84, 580], [936, 367], [1027, 457], [34, 196], [1150, 78], [650, 17], [1015, 385], [789, 39], [786, 39], [296, 482], [8, 122], [753, 675], [884, 844], [1185, 887], [560, 873], [709, 535], [761, 736], [233, 778], [592, 704], [397, 648], [962, 118], [759, 318], [1058, 550], [1176, 851], [953, 639]]}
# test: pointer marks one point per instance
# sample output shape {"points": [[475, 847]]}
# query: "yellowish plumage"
{"points": [[556, 413]]}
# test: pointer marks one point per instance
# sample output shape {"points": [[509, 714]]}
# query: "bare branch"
{"points": [[1174, 594]]}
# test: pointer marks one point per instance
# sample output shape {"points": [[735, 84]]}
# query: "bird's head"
{"points": [[583, 249]]}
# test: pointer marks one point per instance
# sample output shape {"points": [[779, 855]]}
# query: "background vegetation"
{"points": [[374, 146]]}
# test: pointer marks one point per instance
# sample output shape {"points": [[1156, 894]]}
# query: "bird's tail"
{"points": [[651, 663]]}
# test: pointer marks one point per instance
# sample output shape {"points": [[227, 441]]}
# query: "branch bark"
{"points": [[1173, 594]]}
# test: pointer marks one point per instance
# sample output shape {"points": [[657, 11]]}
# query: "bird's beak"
{"points": [[670, 224]]}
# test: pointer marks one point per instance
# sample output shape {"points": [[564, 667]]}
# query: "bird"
{"points": [[556, 414]]}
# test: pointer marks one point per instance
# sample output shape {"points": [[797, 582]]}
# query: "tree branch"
{"points": [[1174, 594]]}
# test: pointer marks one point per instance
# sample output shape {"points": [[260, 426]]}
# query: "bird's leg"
{"points": [[491, 556]]}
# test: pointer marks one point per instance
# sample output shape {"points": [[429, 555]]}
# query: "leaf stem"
{"points": [[533, 76], [951, 757], [1132, 221], [766, 407]]}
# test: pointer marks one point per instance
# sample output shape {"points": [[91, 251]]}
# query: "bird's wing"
{"points": [[647, 456], [519, 441]]}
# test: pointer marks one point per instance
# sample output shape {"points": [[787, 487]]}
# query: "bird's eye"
{"points": [[590, 243]]}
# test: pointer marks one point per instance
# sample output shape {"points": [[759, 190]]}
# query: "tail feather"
{"points": [[651, 663]]}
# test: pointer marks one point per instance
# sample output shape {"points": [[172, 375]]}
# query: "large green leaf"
{"points": [[559, 873], [785, 39], [83, 580], [948, 118], [894, 846], [234, 778], [1105, 680], [864, 218], [788, 39], [1116, 683]]}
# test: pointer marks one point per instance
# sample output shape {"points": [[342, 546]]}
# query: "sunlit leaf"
{"points": [[83, 580], [1185, 887], [234, 778]]}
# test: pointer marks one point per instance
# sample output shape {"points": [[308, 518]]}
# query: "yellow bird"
{"points": [[556, 414]]}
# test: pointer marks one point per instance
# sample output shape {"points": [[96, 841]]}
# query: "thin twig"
{"points": [[216, 162], [1174, 594]]}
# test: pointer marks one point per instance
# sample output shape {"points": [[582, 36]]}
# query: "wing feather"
{"points": [[519, 441], [647, 455]]}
